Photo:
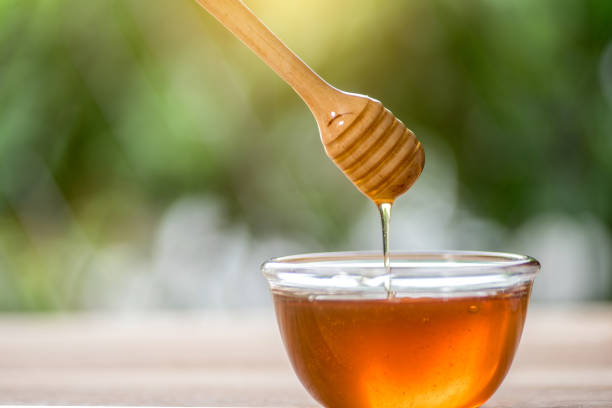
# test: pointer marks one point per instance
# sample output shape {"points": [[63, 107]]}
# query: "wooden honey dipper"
{"points": [[371, 146]]}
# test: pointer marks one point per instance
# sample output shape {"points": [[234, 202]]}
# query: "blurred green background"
{"points": [[149, 160]]}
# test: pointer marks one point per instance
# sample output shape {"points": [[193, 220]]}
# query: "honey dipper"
{"points": [[371, 146]]}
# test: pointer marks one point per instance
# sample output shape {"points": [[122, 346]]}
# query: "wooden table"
{"points": [[222, 359]]}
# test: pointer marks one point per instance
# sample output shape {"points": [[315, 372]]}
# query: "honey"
{"points": [[402, 352], [451, 350]]}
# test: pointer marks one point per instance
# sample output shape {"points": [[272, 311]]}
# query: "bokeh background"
{"points": [[148, 160]]}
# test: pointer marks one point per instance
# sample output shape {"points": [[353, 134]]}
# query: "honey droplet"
{"points": [[473, 309]]}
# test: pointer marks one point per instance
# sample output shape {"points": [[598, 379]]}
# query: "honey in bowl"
{"points": [[446, 339], [402, 352]]}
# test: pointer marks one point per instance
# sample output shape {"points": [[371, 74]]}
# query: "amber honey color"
{"points": [[402, 352]]}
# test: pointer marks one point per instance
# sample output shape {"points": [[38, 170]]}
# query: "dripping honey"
{"points": [[402, 352]]}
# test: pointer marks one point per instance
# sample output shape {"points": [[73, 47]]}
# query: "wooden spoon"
{"points": [[371, 146]]}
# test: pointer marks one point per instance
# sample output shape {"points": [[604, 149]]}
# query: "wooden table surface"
{"points": [[223, 359]]}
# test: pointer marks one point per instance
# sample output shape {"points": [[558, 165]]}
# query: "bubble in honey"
{"points": [[425, 319], [473, 309]]}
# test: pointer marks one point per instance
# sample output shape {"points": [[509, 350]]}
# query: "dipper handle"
{"points": [[238, 19]]}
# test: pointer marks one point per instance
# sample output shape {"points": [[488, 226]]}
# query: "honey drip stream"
{"points": [[385, 219]]}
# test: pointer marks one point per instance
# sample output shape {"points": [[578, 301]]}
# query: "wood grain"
{"points": [[216, 359]]}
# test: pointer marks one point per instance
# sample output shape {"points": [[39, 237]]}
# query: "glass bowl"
{"points": [[444, 336]]}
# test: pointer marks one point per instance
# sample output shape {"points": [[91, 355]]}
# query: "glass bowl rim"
{"points": [[405, 263], [424, 273]]}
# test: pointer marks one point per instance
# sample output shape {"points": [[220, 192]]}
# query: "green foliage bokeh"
{"points": [[128, 104]]}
